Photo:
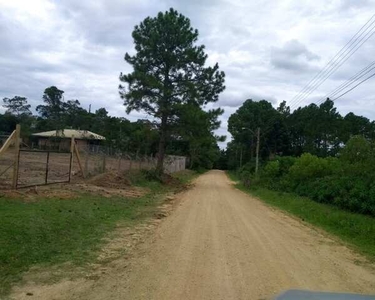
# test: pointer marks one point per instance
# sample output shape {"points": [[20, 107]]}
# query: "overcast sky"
{"points": [[268, 49]]}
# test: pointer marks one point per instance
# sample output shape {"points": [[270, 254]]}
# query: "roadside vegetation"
{"points": [[346, 181], [334, 193], [46, 232], [355, 229], [313, 163]]}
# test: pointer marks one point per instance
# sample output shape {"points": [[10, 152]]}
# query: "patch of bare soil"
{"points": [[126, 191], [106, 185], [110, 180]]}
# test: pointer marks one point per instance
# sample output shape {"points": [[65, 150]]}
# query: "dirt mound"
{"points": [[111, 180]]}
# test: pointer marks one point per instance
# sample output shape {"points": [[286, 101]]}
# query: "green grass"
{"points": [[355, 229], [187, 176], [53, 231]]}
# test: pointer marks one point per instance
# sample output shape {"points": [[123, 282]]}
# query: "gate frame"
{"points": [[47, 169], [15, 137]]}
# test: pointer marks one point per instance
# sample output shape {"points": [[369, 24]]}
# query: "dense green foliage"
{"points": [[17, 106], [170, 79], [346, 181], [138, 137], [319, 130], [312, 151], [354, 228]]}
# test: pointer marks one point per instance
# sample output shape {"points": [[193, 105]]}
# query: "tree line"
{"points": [[318, 130], [313, 151], [136, 138]]}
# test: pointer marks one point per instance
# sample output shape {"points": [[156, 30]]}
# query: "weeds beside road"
{"points": [[356, 229], [52, 231]]}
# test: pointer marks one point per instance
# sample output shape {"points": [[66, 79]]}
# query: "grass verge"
{"points": [[355, 229], [53, 231]]}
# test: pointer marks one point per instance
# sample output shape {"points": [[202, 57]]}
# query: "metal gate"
{"points": [[43, 167]]}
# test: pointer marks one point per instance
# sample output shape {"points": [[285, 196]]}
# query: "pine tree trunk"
{"points": [[161, 154]]}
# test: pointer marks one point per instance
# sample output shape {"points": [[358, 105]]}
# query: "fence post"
{"points": [[72, 142], [87, 156], [47, 167], [79, 161], [16, 155]]}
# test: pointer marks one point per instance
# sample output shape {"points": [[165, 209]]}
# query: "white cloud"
{"points": [[268, 49]]}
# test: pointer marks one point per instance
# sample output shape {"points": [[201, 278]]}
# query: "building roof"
{"points": [[69, 133]]}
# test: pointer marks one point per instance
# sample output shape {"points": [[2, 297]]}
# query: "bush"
{"points": [[246, 178], [356, 150], [271, 170], [347, 182], [286, 163], [245, 173], [309, 167]]}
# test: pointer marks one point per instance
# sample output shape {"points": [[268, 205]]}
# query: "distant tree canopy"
{"points": [[319, 130], [169, 77], [17, 106], [192, 135]]}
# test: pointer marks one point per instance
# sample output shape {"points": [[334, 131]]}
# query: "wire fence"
{"points": [[37, 167], [97, 160], [43, 167]]}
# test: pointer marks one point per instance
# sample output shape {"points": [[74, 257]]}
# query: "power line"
{"points": [[343, 49], [332, 59], [337, 60], [372, 75], [323, 79], [346, 57], [349, 82]]}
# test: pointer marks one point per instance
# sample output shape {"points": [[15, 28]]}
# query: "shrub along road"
{"points": [[220, 243]]}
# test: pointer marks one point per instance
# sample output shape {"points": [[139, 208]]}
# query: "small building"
{"points": [[61, 139]]}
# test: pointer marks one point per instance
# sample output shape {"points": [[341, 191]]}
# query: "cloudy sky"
{"points": [[268, 49]]}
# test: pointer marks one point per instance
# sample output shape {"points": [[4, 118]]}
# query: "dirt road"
{"points": [[222, 244]]}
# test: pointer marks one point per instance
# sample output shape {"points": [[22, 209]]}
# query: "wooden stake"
{"points": [[17, 137], [79, 161], [119, 164], [72, 142], [7, 143], [87, 156]]}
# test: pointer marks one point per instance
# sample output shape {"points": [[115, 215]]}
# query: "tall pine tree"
{"points": [[168, 70]]}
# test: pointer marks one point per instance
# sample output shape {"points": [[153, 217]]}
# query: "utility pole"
{"points": [[257, 152]]}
